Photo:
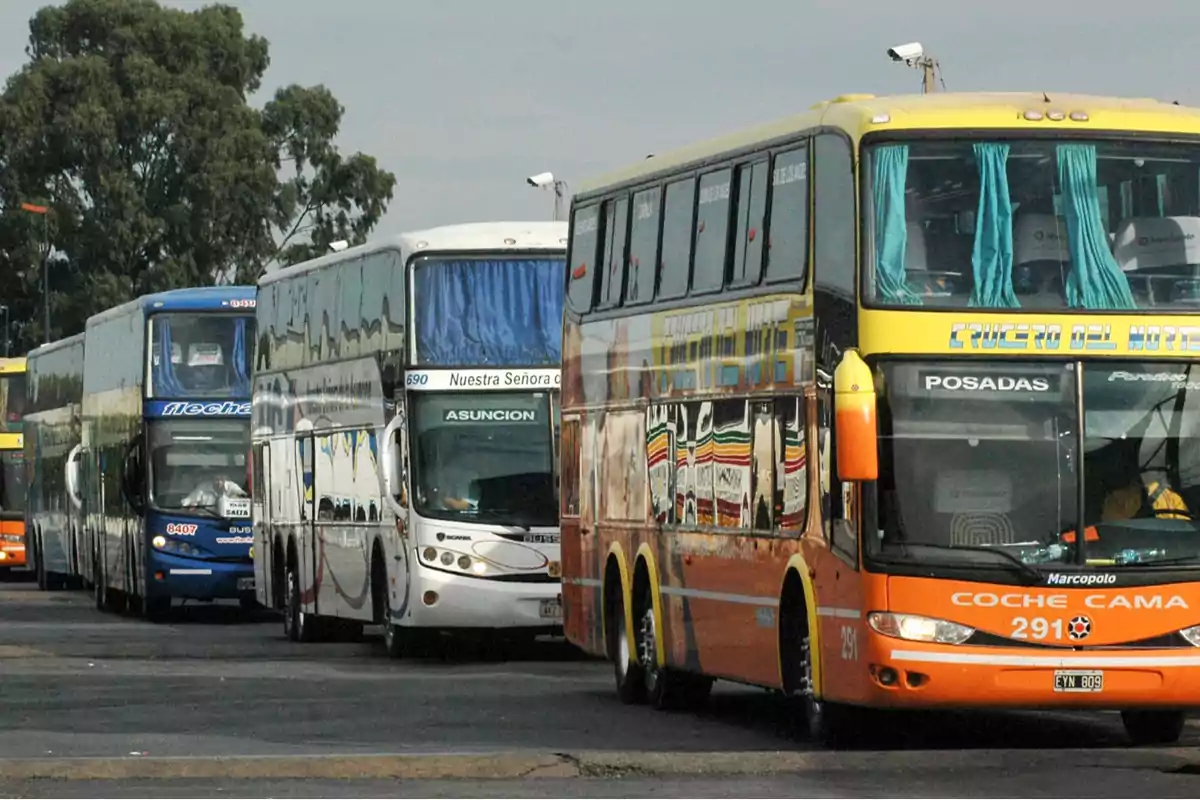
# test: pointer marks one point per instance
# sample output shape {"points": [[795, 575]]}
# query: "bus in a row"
{"points": [[405, 433], [403, 465], [137, 442], [12, 466], [890, 405]]}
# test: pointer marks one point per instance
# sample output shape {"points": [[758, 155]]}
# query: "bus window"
{"points": [[643, 246], [676, 257], [712, 232], [585, 237]]}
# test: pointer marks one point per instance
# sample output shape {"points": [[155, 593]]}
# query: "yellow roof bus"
{"points": [[12, 464], [840, 390]]}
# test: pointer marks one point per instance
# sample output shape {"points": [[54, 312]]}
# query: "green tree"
{"points": [[132, 122]]}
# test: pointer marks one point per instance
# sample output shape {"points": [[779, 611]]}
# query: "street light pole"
{"points": [[7, 339], [44, 211]]}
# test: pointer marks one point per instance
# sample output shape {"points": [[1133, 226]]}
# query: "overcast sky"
{"points": [[463, 99]]}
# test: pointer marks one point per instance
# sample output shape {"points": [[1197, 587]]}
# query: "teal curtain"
{"points": [[890, 173], [1095, 280], [992, 256]]}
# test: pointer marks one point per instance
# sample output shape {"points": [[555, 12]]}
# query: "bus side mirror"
{"points": [[391, 472], [133, 476], [74, 464], [857, 441]]}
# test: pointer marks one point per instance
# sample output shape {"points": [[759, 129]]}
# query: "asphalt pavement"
{"points": [[217, 702]]}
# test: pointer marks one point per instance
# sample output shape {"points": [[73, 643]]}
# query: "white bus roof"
{"points": [[468, 236]]}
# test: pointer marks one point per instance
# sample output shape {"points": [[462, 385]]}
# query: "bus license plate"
{"points": [[550, 609], [245, 584], [1078, 680]]}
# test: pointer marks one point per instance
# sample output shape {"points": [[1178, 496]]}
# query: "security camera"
{"points": [[908, 53], [541, 180]]}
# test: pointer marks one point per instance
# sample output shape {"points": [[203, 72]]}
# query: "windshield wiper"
{"points": [[1024, 568], [208, 510]]}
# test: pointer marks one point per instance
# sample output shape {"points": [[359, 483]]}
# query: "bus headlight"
{"points": [[1192, 635], [915, 628], [176, 547], [453, 558]]}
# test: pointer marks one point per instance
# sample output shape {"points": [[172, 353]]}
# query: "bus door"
{"points": [[838, 580], [260, 474], [394, 466]]}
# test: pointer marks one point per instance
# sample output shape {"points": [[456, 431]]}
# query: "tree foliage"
{"points": [[132, 122]]}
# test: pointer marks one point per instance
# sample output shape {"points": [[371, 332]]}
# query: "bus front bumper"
{"points": [[12, 553], [903, 674], [443, 600], [197, 579]]}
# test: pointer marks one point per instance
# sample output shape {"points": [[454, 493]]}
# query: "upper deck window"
{"points": [[501, 309], [200, 354], [1039, 224]]}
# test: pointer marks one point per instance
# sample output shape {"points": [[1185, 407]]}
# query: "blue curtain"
{"points": [[166, 383], [890, 168], [1095, 280], [992, 255], [240, 360], [500, 312]]}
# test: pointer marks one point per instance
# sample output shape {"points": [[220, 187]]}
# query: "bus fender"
{"points": [[798, 565]]}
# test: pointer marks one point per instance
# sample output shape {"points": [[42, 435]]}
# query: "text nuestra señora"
{"points": [[449, 379]]}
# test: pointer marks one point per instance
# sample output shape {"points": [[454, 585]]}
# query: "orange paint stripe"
{"points": [[13, 526]]}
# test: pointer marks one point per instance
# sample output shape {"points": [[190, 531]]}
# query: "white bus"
{"points": [[405, 435]]}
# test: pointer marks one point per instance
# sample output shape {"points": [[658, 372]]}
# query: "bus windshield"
{"points": [[986, 455], [193, 463], [484, 457], [12, 402], [200, 355], [988, 223], [12, 483]]}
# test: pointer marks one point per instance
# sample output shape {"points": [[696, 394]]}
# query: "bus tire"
{"points": [[666, 689], [297, 625], [631, 685], [37, 562], [99, 582], [1153, 726], [393, 635], [827, 724]]}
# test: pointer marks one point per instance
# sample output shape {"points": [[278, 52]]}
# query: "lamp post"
{"points": [[7, 339], [44, 212]]}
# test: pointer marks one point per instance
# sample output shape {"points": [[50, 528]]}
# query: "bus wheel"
{"points": [[1153, 727], [297, 625], [827, 723], [631, 686], [666, 688]]}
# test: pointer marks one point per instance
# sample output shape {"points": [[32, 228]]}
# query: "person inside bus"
{"points": [[449, 486], [210, 486], [1128, 493]]}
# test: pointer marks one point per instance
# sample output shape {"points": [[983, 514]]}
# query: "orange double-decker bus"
{"points": [[12, 464], [839, 392]]}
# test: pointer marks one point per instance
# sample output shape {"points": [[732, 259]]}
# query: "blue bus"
{"points": [[166, 447]]}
